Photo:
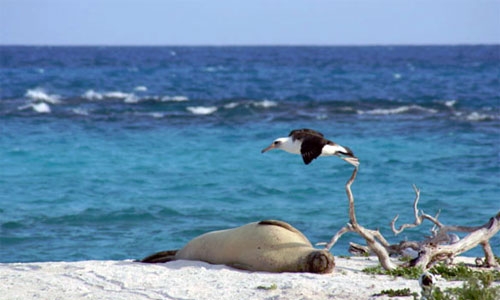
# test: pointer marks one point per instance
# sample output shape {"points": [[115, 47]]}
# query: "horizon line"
{"points": [[257, 45]]}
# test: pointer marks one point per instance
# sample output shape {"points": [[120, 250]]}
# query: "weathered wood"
{"points": [[373, 238], [431, 253], [438, 247]]}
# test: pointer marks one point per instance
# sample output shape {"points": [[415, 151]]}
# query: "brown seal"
{"points": [[270, 246]]}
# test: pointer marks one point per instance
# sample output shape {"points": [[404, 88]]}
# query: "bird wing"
{"points": [[302, 133], [311, 148]]}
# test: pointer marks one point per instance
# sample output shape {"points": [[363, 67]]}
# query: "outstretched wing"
{"points": [[302, 133], [311, 147]]}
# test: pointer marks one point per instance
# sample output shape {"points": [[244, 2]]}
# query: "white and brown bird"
{"points": [[311, 144]]}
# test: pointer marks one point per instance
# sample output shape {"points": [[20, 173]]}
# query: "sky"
{"points": [[249, 22]]}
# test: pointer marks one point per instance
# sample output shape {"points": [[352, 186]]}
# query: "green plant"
{"points": [[477, 283], [409, 273], [395, 293], [267, 288], [377, 270], [456, 272], [405, 258], [462, 272], [473, 289]]}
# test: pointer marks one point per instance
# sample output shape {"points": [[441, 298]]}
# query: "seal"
{"points": [[269, 246]]}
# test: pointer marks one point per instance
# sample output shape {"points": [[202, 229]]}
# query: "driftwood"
{"points": [[374, 239], [442, 245]]}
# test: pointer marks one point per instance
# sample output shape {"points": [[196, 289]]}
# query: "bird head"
{"points": [[427, 280], [277, 144]]}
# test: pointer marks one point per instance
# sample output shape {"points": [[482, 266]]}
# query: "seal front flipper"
{"points": [[160, 257], [240, 266]]}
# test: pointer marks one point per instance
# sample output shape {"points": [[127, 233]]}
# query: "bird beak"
{"points": [[268, 148]]}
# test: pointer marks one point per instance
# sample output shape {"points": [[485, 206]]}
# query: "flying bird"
{"points": [[311, 144]]}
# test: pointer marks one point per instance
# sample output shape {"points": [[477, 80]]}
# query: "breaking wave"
{"points": [[174, 98], [40, 107], [202, 110], [141, 103], [399, 110], [41, 95]]}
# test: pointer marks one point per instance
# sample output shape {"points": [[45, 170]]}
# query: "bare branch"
{"points": [[347, 228], [442, 245], [370, 236], [418, 219], [350, 198], [431, 253], [489, 257]]}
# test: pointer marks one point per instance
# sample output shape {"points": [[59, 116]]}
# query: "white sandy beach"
{"points": [[193, 280]]}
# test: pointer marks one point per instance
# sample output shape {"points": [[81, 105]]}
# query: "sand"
{"points": [[193, 280]]}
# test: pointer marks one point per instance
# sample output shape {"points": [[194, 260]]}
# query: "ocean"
{"points": [[111, 153]]}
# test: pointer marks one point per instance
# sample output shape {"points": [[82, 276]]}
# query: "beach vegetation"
{"points": [[449, 272], [474, 288], [405, 258], [478, 284], [462, 272], [408, 273], [268, 288], [396, 293]]}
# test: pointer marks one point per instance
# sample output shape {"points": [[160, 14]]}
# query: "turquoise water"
{"points": [[115, 153]]}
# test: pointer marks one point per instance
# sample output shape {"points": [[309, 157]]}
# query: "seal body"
{"points": [[270, 246]]}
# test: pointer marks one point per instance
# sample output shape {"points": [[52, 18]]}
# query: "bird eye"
{"points": [[276, 142]]}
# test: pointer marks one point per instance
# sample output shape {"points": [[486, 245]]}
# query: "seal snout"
{"points": [[321, 262]]}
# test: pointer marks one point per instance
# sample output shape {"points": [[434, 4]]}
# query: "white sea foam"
{"points": [[174, 98], [231, 105], [41, 95], [41, 107], [475, 117], [265, 104], [202, 110], [118, 95], [450, 103], [131, 98], [157, 115], [321, 117], [92, 95], [80, 111], [140, 88], [397, 76], [398, 110]]}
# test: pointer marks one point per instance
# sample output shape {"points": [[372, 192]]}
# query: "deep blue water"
{"points": [[118, 152]]}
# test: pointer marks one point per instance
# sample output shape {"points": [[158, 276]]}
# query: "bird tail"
{"points": [[352, 160], [349, 157]]}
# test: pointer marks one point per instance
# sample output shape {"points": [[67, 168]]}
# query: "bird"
{"points": [[426, 280], [311, 144]]}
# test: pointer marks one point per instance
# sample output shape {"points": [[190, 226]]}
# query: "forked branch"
{"points": [[373, 238], [443, 245], [440, 246]]}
